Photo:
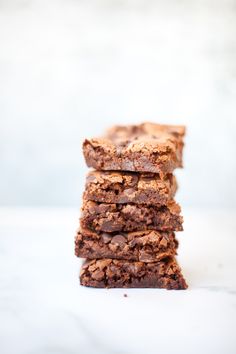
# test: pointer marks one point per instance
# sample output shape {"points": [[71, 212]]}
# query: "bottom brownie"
{"points": [[110, 273]]}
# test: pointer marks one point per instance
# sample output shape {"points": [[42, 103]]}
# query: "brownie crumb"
{"points": [[125, 295]]}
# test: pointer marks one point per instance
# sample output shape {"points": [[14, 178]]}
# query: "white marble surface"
{"points": [[45, 310]]}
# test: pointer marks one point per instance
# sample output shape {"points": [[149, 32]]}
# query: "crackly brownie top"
{"points": [[146, 136], [143, 137], [147, 147]]}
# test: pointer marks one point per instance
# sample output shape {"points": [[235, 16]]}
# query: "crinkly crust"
{"points": [[147, 147]]}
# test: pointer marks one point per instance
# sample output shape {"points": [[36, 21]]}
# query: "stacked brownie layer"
{"points": [[129, 215]]}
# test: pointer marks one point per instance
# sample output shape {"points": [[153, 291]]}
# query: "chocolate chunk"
{"points": [[106, 237], [134, 180], [146, 257], [118, 240], [98, 275]]}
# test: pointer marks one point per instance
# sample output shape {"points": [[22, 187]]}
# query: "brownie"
{"points": [[111, 273], [145, 246], [147, 147], [130, 217], [129, 187]]}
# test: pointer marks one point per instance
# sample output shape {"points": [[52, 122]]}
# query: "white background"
{"points": [[69, 69]]}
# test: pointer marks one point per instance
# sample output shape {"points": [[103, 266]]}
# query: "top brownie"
{"points": [[147, 147]]}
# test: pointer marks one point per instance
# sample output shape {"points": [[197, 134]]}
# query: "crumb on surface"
{"points": [[125, 295]]}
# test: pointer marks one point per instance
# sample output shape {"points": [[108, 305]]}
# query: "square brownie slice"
{"points": [[111, 273], [129, 187], [147, 147], [105, 217], [145, 246]]}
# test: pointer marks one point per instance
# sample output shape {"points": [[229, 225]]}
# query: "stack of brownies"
{"points": [[129, 216]]}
